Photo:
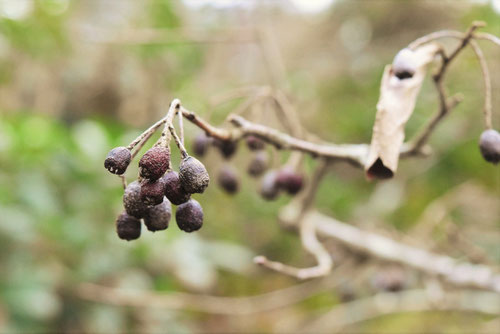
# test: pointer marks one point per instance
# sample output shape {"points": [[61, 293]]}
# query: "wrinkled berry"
{"points": [[228, 180], [132, 200], [118, 160], [254, 143], [173, 189], [152, 192], [200, 144], [128, 227], [289, 180], [269, 188], [154, 163], [158, 216], [193, 175], [226, 147], [489, 144], [259, 164], [404, 64], [189, 216]]}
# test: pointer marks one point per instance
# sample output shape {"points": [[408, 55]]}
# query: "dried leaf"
{"points": [[394, 108]]}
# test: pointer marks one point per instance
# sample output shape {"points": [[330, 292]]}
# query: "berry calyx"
{"points": [[193, 175], [128, 227], [154, 163], [228, 180], [132, 201], [152, 193], [118, 160], [189, 216], [489, 145], [158, 216], [173, 189]]}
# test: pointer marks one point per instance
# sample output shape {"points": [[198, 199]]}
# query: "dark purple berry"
{"points": [[228, 180], [200, 144], [259, 164], [173, 189], [189, 216], [132, 200], [269, 188], [128, 227], [489, 144], [193, 175], [226, 147], [158, 216], [118, 160], [289, 180], [255, 143], [154, 163], [152, 192]]}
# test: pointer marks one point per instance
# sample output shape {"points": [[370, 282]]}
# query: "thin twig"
{"points": [[210, 304], [487, 109], [421, 300], [310, 242]]}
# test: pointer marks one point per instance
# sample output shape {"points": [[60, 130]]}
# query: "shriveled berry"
{"points": [[404, 64], [193, 175], [152, 192], [255, 143], [269, 188], [226, 147], [259, 164], [289, 180], [118, 160], [158, 216], [128, 227], [228, 180], [154, 163], [173, 189], [189, 216], [200, 144], [132, 200], [489, 144]]}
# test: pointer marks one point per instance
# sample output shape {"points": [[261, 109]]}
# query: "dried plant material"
{"points": [[397, 100]]}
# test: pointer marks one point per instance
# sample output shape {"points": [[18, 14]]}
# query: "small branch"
{"points": [[146, 134], [181, 128], [209, 304], [310, 243], [407, 301], [488, 123], [458, 274], [488, 37]]}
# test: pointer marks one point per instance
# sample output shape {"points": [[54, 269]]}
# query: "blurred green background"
{"points": [[80, 77]]}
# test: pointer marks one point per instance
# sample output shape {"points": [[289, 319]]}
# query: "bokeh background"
{"points": [[80, 77]]}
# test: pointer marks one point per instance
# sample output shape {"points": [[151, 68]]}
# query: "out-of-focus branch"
{"points": [[209, 304], [407, 301], [454, 272]]}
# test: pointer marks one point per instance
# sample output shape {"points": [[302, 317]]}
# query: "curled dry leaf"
{"points": [[394, 108]]}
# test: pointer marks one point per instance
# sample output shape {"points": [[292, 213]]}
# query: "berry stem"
{"points": [[146, 134]]}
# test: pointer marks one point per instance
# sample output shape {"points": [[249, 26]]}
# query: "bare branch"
{"points": [[407, 301], [209, 304], [454, 272]]}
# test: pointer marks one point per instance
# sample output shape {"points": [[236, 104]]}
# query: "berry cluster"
{"points": [[150, 198], [273, 181]]}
